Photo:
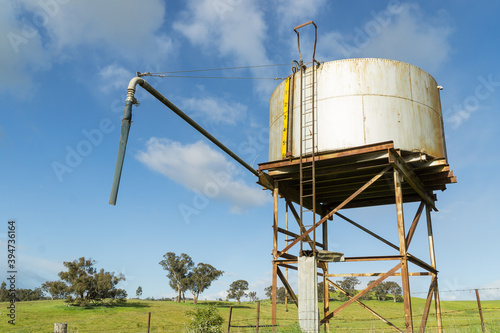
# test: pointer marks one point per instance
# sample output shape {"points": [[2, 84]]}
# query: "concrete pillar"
{"points": [[308, 294]]}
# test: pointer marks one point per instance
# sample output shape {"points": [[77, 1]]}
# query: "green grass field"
{"points": [[40, 316]]}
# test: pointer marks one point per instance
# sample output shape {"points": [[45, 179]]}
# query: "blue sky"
{"points": [[65, 66]]}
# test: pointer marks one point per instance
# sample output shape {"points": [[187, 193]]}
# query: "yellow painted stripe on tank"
{"points": [[285, 119]]}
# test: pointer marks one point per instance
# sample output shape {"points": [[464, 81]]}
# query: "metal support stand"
{"points": [[380, 163]]}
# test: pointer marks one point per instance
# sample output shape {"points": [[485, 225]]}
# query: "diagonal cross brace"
{"points": [[288, 287], [366, 290], [364, 306], [336, 209]]}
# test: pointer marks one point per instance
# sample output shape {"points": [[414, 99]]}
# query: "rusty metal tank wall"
{"points": [[365, 101]]}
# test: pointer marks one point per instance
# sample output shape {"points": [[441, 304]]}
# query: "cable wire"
{"points": [[212, 77], [168, 74], [219, 69]]}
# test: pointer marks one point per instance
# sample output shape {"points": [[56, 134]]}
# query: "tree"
{"points": [[394, 289], [280, 293], [28, 294], [237, 290], [4, 293], [321, 289], [200, 279], [56, 289], [348, 284], [89, 286], [253, 296], [380, 291], [178, 268], [138, 292]]}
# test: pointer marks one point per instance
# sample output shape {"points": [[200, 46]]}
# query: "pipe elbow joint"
{"points": [[131, 88]]}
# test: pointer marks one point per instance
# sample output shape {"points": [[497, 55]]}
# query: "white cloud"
{"points": [[201, 169], [22, 51], [294, 12], [234, 29], [490, 291], [216, 110], [114, 77], [399, 32], [40, 33], [121, 25]]}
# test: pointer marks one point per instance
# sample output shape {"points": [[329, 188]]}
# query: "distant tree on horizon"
{"points": [[280, 293], [321, 291], [200, 279], [394, 289], [56, 289], [88, 286], [348, 284], [20, 294], [237, 290], [178, 268], [253, 296], [138, 292]]}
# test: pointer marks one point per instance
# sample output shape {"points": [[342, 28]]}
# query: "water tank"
{"points": [[360, 102]]}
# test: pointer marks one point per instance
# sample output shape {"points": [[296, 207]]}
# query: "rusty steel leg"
{"points": [[433, 264], [326, 295], [275, 255], [425, 315], [402, 250], [326, 285], [274, 296], [438, 307]]}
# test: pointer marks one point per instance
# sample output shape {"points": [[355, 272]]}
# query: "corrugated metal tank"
{"points": [[364, 101]]}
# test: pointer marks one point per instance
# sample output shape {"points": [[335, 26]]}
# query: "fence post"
{"points": [[258, 316], [229, 320], [149, 320], [480, 310], [60, 327]]}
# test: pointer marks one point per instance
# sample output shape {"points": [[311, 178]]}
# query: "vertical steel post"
{"points": [[402, 250], [326, 295], [286, 269], [326, 289], [432, 253], [480, 310], [275, 255], [149, 320]]}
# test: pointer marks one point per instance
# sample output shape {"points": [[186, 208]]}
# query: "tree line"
{"points": [[21, 294]]}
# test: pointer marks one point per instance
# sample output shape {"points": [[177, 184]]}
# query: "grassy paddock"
{"points": [[40, 316]]}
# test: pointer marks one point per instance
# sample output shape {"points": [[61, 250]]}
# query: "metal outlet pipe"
{"points": [[127, 119]]}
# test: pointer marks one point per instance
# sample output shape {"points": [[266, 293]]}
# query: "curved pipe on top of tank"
{"points": [[127, 119], [315, 39]]}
